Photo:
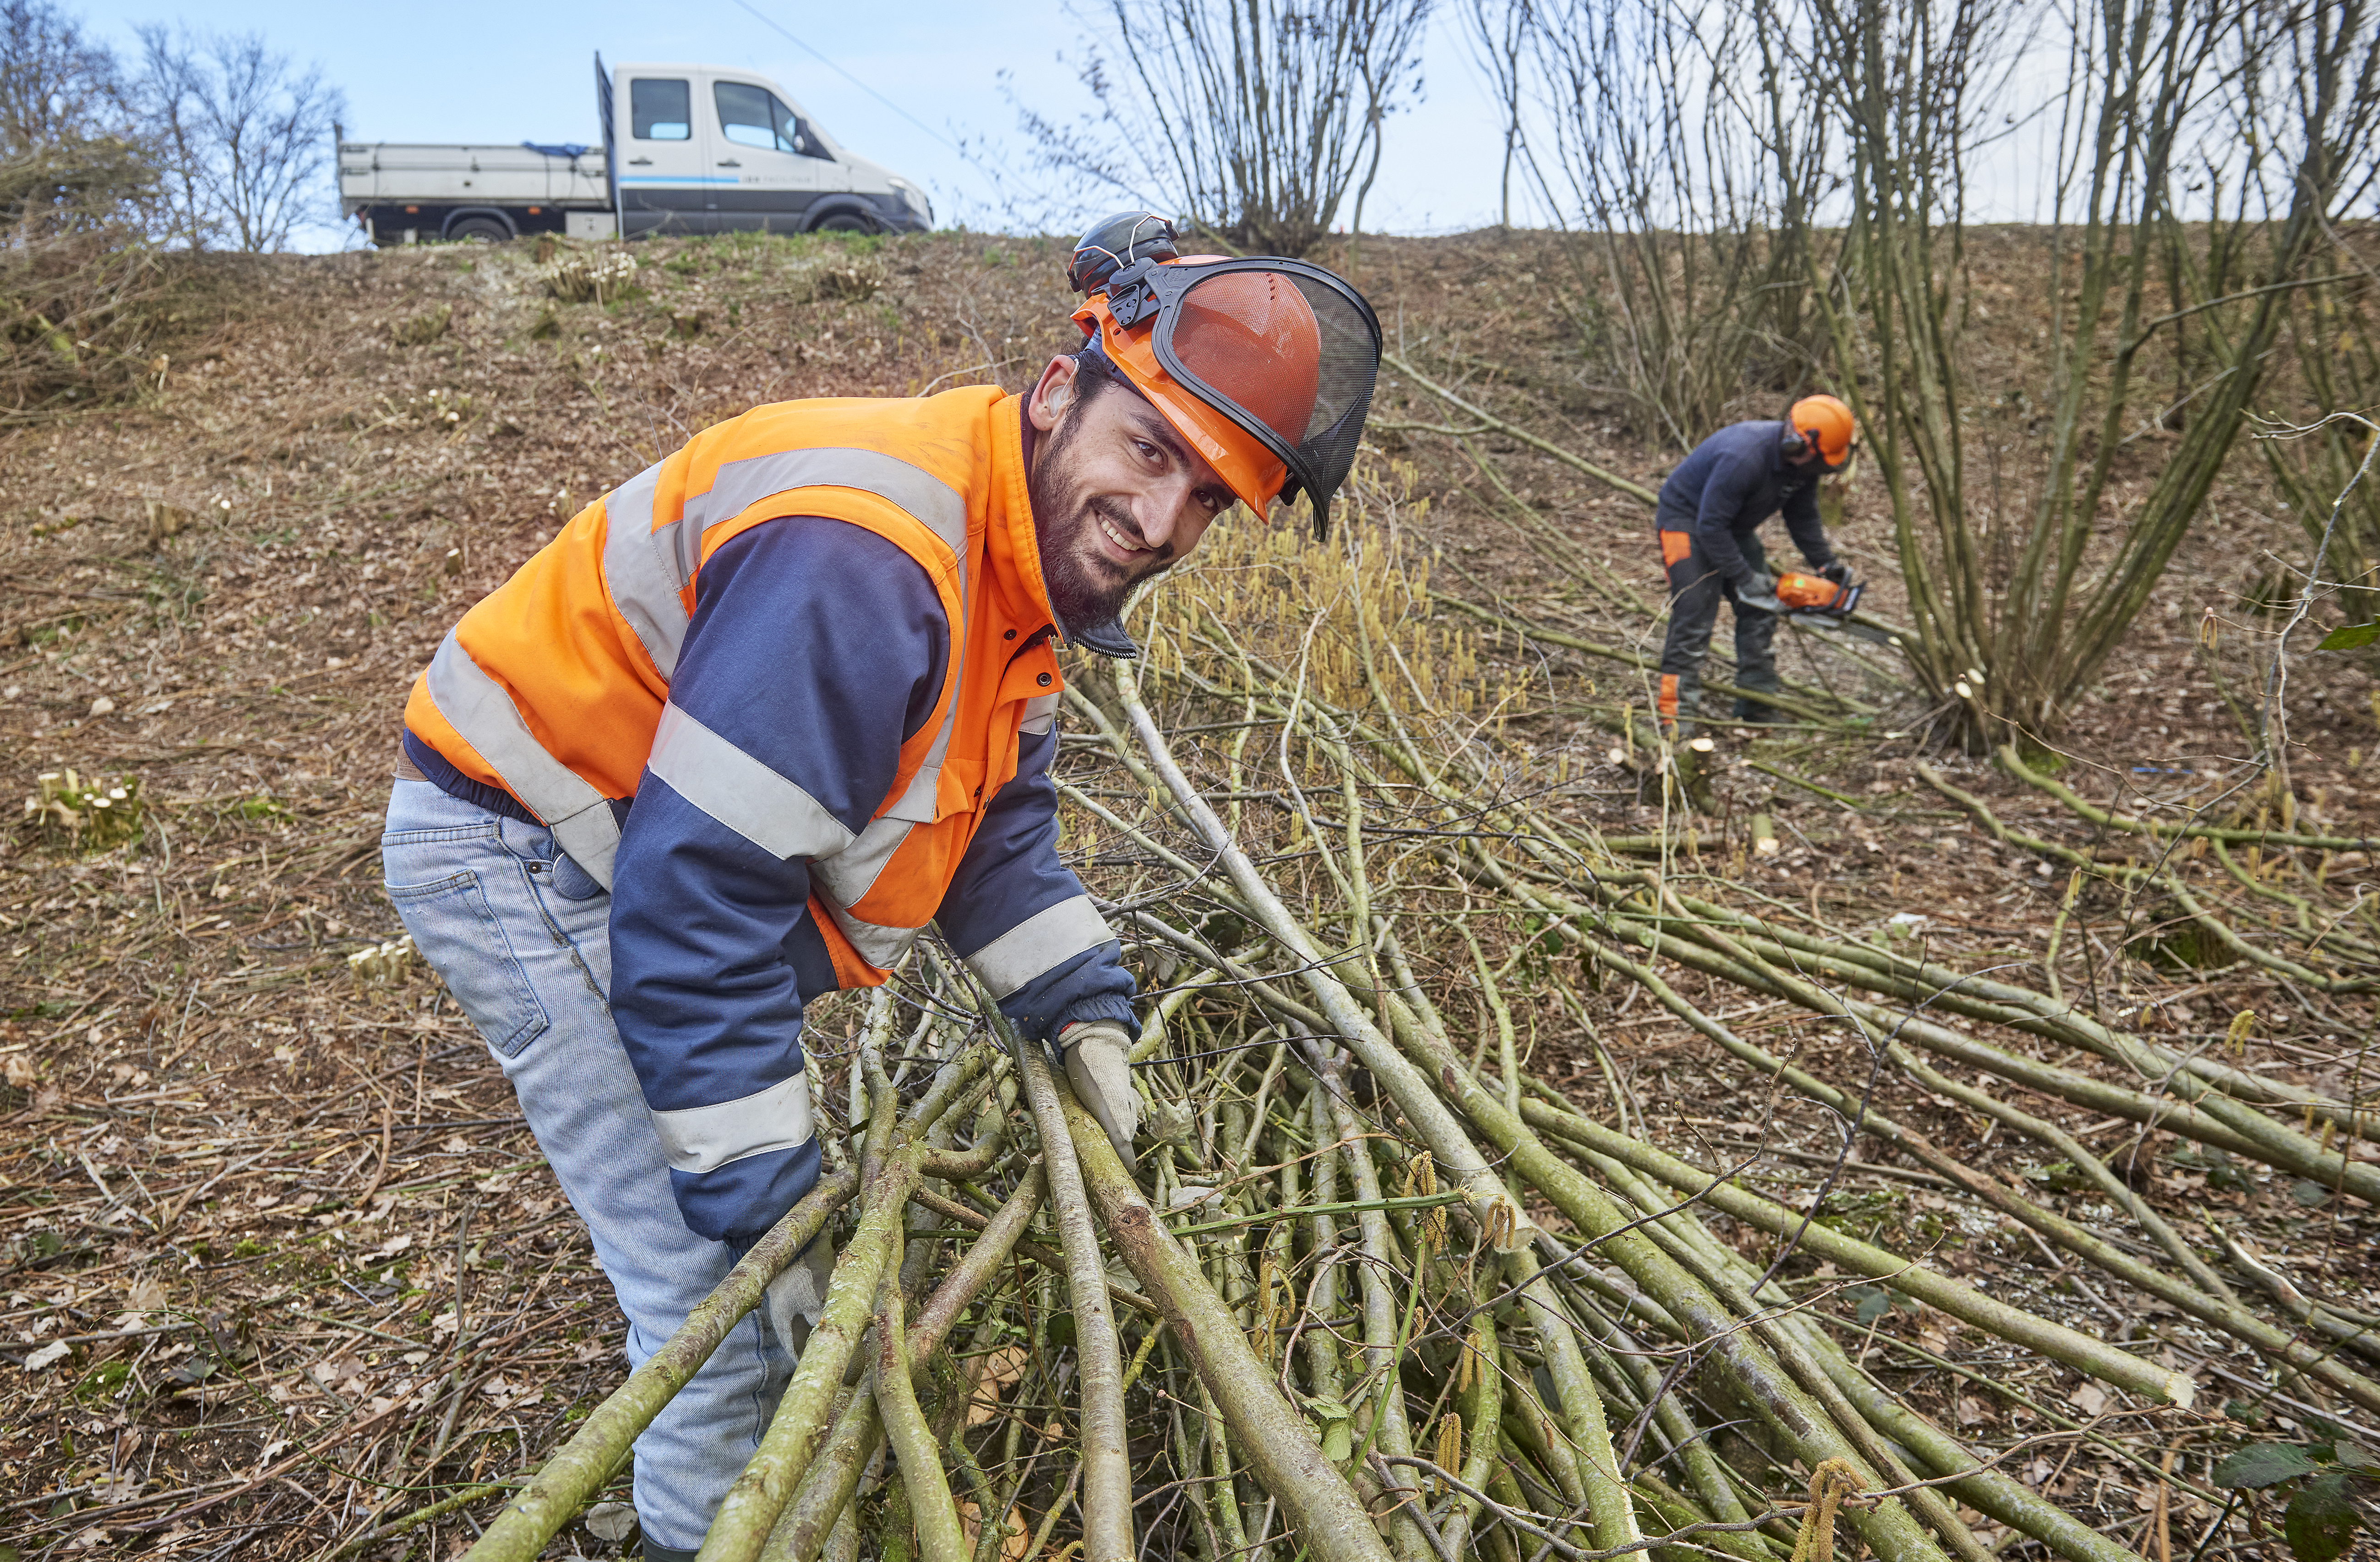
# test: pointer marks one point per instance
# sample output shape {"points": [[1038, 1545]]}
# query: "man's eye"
{"points": [[1148, 450]]}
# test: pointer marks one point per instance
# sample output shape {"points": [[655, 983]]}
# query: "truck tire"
{"points": [[480, 230], [844, 221]]}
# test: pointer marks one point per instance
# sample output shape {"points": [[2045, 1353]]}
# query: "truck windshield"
{"points": [[661, 110], [751, 116]]}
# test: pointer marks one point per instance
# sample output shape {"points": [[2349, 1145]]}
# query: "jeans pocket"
{"points": [[457, 933]]}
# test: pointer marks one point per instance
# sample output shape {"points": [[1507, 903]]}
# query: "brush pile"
{"points": [[1376, 1287]]}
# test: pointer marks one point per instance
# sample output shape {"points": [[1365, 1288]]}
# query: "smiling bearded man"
{"points": [[757, 717], [1094, 551]]}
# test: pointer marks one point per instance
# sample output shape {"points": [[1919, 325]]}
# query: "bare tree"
{"points": [[1497, 32], [243, 135], [1248, 118], [170, 93], [1656, 172], [55, 85], [2020, 589]]}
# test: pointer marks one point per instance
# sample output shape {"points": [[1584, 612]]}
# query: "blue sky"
{"points": [[443, 71]]}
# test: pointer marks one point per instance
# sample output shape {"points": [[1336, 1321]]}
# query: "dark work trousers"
{"points": [[1695, 591]]}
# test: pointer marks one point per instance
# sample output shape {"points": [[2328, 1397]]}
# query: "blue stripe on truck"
{"points": [[655, 179]]}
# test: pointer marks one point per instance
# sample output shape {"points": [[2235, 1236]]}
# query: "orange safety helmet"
{"points": [[1264, 365], [1820, 423]]}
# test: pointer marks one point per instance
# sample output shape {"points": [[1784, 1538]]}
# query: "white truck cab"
{"points": [[687, 149]]}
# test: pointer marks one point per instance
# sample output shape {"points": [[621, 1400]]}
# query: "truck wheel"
{"points": [[480, 230], [846, 222]]}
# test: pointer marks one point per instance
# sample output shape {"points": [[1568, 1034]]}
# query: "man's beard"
{"points": [[1087, 591]]}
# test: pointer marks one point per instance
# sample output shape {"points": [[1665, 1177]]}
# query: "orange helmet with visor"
{"points": [[1264, 365], [1822, 425]]}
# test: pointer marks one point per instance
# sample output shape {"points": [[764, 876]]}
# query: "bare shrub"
{"points": [[835, 276], [242, 134], [578, 277], [79, 283], [1498, 32], [1248, 120], [2334, 348], [420, 330], [1685, 278], [2031, 580]]}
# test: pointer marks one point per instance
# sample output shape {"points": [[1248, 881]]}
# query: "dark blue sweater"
{"points": [[1735, 480]]}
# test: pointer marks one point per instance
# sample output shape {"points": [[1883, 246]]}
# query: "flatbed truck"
{"points": [[687, 149]]}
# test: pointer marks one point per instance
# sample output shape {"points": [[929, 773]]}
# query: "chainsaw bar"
{"points": [[1822, 622]]}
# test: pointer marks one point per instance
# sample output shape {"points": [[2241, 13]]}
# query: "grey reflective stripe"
{"points": [[701, 1139], [641, 571], [1039, 944], [590, 840], [916, 801], [1040, 715], [849, 874], [645, 568], [739, 485], [477, 706], [740, 792], [880, 946]]}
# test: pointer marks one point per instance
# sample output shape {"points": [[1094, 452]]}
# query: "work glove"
{"points": [[796, 1297], [1835, 570], [1097, 1067], [1759, 595]]}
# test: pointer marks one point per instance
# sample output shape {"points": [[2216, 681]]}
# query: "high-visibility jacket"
{"points": [[900, 584]]}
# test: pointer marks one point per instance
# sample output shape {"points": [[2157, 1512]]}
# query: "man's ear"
{"points": [[1052, 393]]}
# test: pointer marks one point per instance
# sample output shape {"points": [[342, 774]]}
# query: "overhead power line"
{"points": [[766, 20]]}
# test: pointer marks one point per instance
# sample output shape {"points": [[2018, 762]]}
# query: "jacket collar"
{"points": [[1011, 551]]}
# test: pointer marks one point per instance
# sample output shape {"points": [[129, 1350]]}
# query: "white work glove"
{"points": [[1096, 1066], [1761, 597], [796, 1297]]}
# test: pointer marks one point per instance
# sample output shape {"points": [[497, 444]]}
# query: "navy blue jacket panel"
{"points": [[1733, 482], [816, 649]]}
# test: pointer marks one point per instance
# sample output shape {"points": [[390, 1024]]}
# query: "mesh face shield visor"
{"points": [[1278, 359]]}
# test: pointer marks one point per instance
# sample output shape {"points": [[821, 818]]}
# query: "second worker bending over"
{"points": [[1711, 514]]}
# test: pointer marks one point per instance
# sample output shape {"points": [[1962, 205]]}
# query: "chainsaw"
{"points": [[1815, 602]]}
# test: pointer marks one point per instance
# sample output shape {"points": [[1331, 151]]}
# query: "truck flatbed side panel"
{"points": [[463, 173]]}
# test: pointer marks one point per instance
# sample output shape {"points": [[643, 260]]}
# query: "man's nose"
{"points": [[1159, 511]]}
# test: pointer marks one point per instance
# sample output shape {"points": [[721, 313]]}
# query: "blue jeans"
{"points": [[522, 938]]}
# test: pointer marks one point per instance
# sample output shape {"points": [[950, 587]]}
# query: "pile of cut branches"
{"points": [[1377, 1286]]}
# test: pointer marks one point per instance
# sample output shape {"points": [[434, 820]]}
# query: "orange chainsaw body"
{"points": [[1815, 593]]}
